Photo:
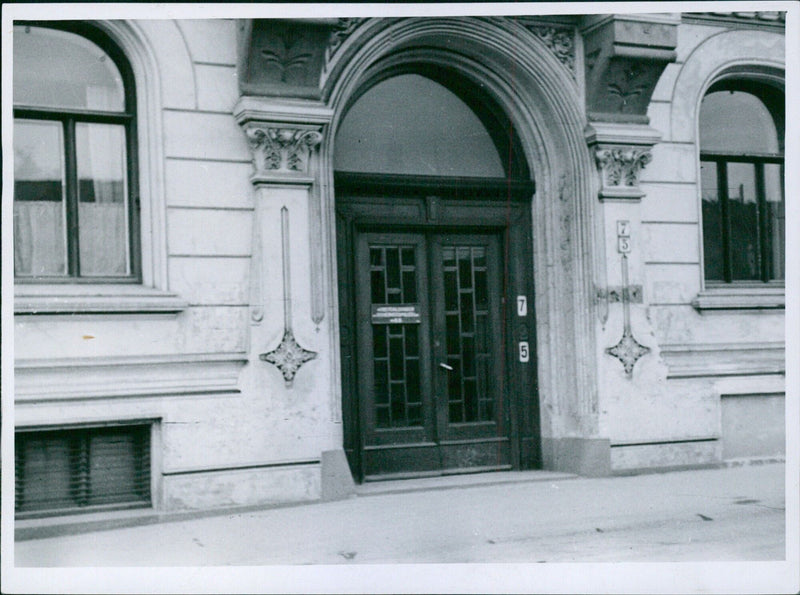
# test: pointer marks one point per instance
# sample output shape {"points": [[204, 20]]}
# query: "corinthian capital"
{"points": [[620, 167], [282, 150]]}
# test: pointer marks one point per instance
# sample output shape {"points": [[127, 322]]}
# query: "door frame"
{"points": [[397, 203]]}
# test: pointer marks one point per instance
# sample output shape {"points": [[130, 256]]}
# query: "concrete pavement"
{"points": [[726, 514]]}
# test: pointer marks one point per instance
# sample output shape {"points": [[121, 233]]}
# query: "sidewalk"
{"points": [[724, 514]]}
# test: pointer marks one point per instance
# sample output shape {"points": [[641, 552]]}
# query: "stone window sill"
{"points": [[94, 299], [744, 297]]}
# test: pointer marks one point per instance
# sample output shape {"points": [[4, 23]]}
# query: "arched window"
{"points": [[75, 186], [741, 167], [435, 133]]}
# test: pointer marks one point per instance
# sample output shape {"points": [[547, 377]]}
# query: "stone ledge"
{"points": [[112, 298], [724, 359], [741, 298], [71, 379]]}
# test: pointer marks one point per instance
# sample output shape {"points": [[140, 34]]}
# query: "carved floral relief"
{"points": [[621, 166], [559, 41], [288, 60], [286, 150]]}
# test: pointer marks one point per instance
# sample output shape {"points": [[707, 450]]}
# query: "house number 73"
{"points": [[623, 236]]}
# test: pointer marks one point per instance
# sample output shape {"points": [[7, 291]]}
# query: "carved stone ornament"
{"points": [[618, 294], [281, 57], [624, 58], [628, 351], [620, 167], [561, 42], [288, 356], [287, 59], [282, 150], [343, 29]]}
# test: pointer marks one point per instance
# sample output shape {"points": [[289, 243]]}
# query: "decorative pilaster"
{"points": [[288, 356], [285, 138]]}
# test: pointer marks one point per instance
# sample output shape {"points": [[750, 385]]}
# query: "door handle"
{"points": [[446, 367]]}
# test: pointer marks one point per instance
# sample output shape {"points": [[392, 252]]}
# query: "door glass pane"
{"points": [[410, 124], [395, 346], [102, 200], [466, 303], [713, 251], [59, 69], [776, 218], [743, 214], [40, 241]]}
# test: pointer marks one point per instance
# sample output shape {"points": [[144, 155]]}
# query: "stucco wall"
{"points": [[229, 429], [699, 347], [192, 372]]}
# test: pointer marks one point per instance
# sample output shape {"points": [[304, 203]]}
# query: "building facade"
{"points": [[262, 260]]}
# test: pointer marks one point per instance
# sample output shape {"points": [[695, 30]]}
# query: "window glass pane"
{"points": [[40, 243], [103, 203], [743, 214], [59, 69], [738, 122], [776, 218], [713, 252], [410, 124]]}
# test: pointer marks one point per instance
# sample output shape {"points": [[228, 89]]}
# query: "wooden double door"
{"points": [[430, 375], [436, 328]]}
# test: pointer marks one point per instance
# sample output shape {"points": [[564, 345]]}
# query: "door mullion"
{"points": [[436, 341]]}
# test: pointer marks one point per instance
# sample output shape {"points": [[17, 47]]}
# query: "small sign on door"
{"points": [[524, 352], [405, 314], [522, 305]]}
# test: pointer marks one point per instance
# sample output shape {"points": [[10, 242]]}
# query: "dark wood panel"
{"points": [[509, 441], [409, 459], [475, 454], [359, 184]]}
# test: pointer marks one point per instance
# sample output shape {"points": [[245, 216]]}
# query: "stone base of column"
{"points": [[337, 481], [590, 457]]}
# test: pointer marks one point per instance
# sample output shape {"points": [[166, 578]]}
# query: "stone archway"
{"points": [[290, 112], [537, 91]]}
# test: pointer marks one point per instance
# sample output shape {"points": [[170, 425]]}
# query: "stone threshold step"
{"points": [[457, 481]]}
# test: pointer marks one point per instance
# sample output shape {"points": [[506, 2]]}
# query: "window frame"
{"points": [[69, 118], [721, 160], [767, 83]]}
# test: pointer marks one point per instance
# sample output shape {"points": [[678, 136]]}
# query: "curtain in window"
{"points": [[102, 208]]}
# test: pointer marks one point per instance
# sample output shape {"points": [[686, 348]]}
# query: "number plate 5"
{"points": [[524, 352]]}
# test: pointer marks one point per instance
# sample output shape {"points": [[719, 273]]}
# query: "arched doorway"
{"points": [[435, 284]]}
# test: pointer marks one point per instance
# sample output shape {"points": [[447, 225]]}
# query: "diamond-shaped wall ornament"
{"points": [[288, 356], [628, 350]]}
